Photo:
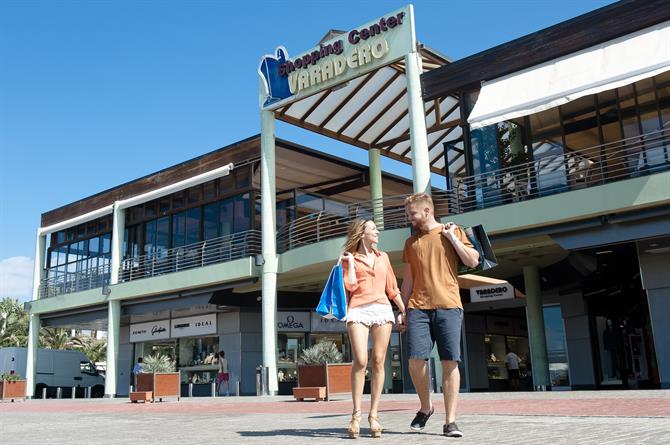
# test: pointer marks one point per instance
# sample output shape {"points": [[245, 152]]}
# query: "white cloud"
{"points": [[16, 278]]}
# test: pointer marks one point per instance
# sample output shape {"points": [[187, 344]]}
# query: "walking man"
{"points": [[435, 312]]}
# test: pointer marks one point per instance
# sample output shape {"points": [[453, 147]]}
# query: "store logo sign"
{"points": [[153, 330], [490, 293], [337, 60], [196, 325], [293, 321]]}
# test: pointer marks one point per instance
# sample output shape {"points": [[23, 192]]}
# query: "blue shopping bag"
{"points": [[333, 301]]}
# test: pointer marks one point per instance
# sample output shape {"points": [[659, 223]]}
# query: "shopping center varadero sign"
{"points": [[338, 60], [490, 293]]}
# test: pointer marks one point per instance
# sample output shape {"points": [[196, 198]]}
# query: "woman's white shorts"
{"points": [[371, 314]]}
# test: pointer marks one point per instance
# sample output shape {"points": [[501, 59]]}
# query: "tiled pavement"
{"points": [[621, 417]]}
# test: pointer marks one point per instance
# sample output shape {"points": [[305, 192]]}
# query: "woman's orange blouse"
{"points": [[376, 284]]}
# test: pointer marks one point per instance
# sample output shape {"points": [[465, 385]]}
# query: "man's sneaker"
{"points": [[419, 422], [451, 430]]}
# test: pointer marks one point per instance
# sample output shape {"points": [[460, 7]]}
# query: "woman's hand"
{"points": [[347, 256], [401, 319]]}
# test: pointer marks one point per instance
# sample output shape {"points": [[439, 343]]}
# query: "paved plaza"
{"points": [[577, 417]]}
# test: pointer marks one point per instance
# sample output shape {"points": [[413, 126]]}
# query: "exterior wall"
{"points": [[475, 330], [230, 341], [125, 362], [656, 280], [578, 339], [252, 350]]}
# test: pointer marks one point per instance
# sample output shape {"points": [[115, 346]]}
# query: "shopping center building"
{"points": [[557, 143]]}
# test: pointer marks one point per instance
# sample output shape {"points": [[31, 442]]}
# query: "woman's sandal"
{"points": [[355, 425], [375, 430]]}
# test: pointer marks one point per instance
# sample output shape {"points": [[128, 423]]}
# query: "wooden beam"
{"points": [[344, 101], [368, 102], [318, 102]]}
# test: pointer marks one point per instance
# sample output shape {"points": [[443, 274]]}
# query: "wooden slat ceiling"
{"points": [[371, 111]]}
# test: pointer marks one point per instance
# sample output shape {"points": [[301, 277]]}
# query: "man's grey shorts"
{"points": [[427, 327]]}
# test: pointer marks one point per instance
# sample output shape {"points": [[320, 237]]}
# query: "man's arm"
{"points": [[407, 284], [468, 255]]}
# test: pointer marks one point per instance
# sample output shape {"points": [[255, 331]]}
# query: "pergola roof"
{"points": [[371, 111]]}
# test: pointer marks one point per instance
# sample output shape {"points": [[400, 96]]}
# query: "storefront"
{"points": [[298, 330], [190, 341]]}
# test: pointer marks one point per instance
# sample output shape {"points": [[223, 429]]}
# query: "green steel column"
{"points": [[118, 229], [33, 345], [376, 193], [269, 245], [34, 327], [417, 124], [113, 328], [535, 320]]}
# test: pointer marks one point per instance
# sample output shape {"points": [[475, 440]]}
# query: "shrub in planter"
{"points": [[12, 387], [158, 376], [320, 365]]}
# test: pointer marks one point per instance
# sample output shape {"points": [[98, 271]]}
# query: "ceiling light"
{"points": [[602, 252]]}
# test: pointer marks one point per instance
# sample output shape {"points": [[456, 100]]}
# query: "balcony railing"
{"points": [[66, 283], [601, 164], [212, 251]]}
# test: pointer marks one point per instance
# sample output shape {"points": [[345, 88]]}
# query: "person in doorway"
{"points": [[223, 376], [371, 284], [435, 311], [137, 369], [513, 374]]}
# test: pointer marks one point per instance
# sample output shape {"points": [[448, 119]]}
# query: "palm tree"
{"points": [[55, 338], [13, 323], [94, 349]]}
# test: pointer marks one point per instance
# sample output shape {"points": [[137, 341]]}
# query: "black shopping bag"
{"points": [[480, 241]]}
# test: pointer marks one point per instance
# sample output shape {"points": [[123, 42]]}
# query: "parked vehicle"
{"points": [[56, 368]]}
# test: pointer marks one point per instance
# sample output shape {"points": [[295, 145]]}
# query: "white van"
{"points": [[55, 368]]}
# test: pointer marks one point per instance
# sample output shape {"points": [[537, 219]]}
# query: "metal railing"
{"points": [[70, 282], [601, 164], [212, 251]]}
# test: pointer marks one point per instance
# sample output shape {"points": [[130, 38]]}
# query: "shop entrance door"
{"points": [[621, 352]]}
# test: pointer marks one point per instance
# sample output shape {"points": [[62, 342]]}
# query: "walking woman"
{"points": [[371, 284]]}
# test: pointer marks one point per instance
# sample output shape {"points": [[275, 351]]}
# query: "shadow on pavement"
{"points": [[318, 432]]}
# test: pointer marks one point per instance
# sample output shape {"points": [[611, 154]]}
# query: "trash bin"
{"points": [[262, 380]]}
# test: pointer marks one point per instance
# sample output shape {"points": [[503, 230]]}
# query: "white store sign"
{"points": [[490, 293], [320, 324], [190, 326], [153, 330], [293, 322]]}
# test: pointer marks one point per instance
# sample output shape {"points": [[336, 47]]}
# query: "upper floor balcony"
{"points": [[542, 177]]}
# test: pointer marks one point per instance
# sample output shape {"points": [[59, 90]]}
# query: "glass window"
{"points": [[226, 185], [242, 213], [209, 190], [226, 216], [557, 352], [242, 177], [194, 194], [150, 210], [210, 224], [164, 205], [106, 243], [178, 229], [547, 145], [289, 347], [94, 246]]}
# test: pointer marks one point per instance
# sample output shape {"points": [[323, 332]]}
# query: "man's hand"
{"points": [[401, 319], [449, 231]]}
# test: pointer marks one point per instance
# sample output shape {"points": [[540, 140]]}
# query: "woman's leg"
{"points": [[381, 334], [358, 337]]}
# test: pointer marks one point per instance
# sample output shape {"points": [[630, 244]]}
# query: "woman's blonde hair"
{"points": [[355, 235]]}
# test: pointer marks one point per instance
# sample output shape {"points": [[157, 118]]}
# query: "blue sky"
{"points": [[97, 93]]}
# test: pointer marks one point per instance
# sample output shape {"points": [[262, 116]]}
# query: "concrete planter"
{"points": [[335, 377], [13, 389], [161, 384]]}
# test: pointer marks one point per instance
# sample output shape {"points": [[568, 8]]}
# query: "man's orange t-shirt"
{"points": [[434, 264]]}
